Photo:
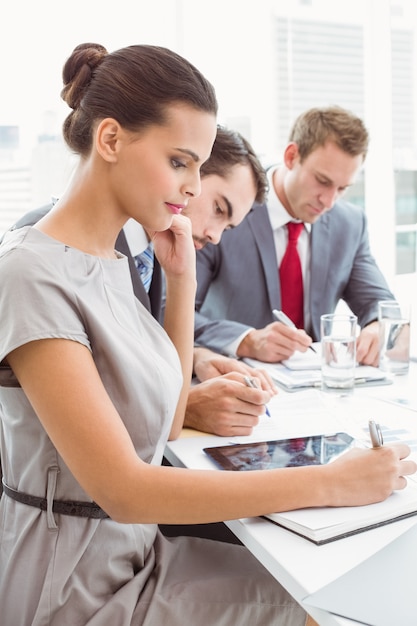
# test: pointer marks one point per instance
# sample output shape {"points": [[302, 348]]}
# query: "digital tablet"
{"points": [[294, 452]]}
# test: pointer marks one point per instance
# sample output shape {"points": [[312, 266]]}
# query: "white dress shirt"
{"points": [[136, 237], [279, 217]]}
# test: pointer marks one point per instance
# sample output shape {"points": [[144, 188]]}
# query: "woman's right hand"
{"points": [[174, 248], [363, 476]]}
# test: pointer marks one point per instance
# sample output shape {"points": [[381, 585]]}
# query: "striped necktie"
{"points": [[291, 277], [144, 263]]}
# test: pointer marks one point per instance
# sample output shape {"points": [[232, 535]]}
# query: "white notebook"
{"points": [[324, 524]]}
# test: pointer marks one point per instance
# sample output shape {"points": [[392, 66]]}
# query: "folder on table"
{"points": [[378, 592]]}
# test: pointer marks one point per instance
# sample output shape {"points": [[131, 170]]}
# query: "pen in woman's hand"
{"points": [[252, 382], [375, 434], [284, 319]]}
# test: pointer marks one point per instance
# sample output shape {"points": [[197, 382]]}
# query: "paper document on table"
{"points": [[294, 379], [306, 413], [406, 399], [397, 422], [308, 360]]}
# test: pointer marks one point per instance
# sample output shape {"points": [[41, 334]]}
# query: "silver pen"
{"points": [[375, 434], [284, 319], [252, 382]]}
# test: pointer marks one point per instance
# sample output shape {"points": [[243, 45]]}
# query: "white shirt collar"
{"points": [[136, 237], [278, 214]]}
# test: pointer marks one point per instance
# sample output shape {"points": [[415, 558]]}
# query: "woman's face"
{"points": [[159, 169]]}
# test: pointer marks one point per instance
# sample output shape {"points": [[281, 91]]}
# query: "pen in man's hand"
{"points": [[284, 319], [251, 382], [375, 434]]}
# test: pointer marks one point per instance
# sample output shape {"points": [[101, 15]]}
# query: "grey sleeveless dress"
{"points": [[60, 570]]}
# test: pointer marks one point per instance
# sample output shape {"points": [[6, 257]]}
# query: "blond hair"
{"points": [[315, 127]]}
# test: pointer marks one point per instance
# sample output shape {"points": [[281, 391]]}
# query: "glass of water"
{"points": [[338, 349], [394, 336]]}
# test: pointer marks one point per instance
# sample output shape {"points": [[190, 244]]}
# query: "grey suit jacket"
{"points": [[238, 281], [152, 301]]}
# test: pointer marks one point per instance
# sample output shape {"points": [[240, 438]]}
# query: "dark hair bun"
{"points": [[78, 70]]}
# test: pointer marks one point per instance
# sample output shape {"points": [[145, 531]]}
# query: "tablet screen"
{"points": [[313, 450]]}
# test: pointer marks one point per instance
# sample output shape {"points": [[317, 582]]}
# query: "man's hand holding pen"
{"points": [[284, 319], [273, 343], [252, 382], [227, 405]]}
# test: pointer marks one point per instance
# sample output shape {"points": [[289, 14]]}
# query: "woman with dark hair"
{"points": [[91, 386], [90, 382]]}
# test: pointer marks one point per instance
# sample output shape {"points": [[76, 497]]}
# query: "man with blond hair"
{"points": [[241, 281]]}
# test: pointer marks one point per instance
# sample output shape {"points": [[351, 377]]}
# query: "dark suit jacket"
{"points": [[238, 281], [151, 301]]}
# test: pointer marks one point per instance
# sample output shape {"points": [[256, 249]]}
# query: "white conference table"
{"points": [[299, 565]]}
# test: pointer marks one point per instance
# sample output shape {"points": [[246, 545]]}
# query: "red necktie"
{"points": [[291, 277]]}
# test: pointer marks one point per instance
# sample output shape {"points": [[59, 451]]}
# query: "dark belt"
{"points": [[65, 507]]}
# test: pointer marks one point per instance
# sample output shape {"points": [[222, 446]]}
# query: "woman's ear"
{"points": [[291, 155], [107, 139]]}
